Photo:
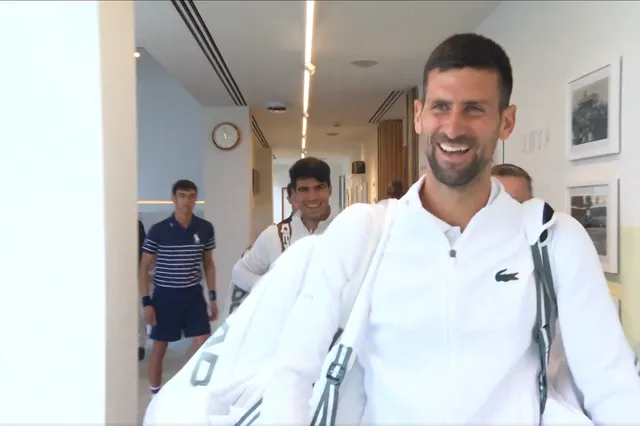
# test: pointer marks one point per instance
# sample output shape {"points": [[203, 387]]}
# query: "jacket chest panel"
{"points": [[421, 288]]}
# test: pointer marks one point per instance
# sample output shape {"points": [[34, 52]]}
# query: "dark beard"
{"points": [[453, 177]]}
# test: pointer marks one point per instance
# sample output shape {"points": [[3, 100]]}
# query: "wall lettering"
{"points": [[536, 140]]}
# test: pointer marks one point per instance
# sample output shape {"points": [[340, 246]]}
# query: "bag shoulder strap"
{"points": [[546, 301], [356, 308], [284, 233]]}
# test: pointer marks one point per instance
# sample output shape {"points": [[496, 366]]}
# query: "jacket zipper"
{"points": [[448, 314]]}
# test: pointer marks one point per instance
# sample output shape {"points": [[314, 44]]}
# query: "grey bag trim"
{"points": [[546, 306]]}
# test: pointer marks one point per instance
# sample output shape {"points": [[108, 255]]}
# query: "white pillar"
{"points": [[228, 195], [68, 306]]}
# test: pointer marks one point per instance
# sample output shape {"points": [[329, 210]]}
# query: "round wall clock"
{"points": [[225, 135]]}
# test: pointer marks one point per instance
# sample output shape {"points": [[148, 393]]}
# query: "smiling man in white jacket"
{"points": [[449, 338], [311, 184]]}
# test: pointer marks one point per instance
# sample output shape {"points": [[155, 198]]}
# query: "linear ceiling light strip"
{"points": [[309, 69]]}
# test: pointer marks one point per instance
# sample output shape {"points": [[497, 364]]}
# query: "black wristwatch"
{"points": [[212, 295]]}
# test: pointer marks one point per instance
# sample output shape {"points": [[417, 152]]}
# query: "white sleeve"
{"points": [[257, 260], [314, 319], [599, 356]]}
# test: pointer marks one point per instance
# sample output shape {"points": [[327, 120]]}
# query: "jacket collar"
{"points": [[412, 197]]}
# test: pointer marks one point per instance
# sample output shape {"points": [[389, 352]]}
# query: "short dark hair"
{"points": [[507, 169], [290, 189], [183, 185], [310, 168], [469, 50]]}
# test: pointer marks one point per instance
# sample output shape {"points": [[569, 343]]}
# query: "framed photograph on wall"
{"points": [[595, 205], [593, 112]]}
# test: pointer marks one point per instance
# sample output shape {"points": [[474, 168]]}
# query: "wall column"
{"points": [[390, 155], [69, 260], [228, 195]]}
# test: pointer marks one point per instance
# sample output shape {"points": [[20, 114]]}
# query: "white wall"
{"points": [[68, 132], [280, 180], [228, 192], [369, 154], [576, 37], [550, 44], [339, 166], [171, 132], [263, 201]]}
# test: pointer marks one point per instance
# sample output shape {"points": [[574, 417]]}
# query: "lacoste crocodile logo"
{"points": [[502, 276]]}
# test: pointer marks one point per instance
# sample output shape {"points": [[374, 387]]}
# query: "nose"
{"points": [[454, 124]]}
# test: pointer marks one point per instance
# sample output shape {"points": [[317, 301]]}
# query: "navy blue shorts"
{"points": [[179, 310]]}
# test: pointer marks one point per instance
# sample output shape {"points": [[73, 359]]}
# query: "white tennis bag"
{"points": [[242, 350], [223, 383]]}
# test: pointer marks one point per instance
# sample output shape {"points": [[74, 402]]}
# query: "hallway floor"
{"points": [[174, 360]]}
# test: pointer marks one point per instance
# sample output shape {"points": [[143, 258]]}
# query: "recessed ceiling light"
{"points": [[332, 134], [276, 107], [364, 63], [136, 54]]}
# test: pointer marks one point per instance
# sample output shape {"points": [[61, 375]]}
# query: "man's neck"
{"points": [[455, 206], [312, 224], [183, 219]]}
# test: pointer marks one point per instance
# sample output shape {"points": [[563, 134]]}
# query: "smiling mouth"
{"points": [[313, 206], [453, 149]]}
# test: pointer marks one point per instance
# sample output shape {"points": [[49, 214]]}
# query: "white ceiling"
{"points": [[262, 43]]}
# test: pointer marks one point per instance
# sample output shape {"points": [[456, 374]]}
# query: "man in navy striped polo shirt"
{"points": [[180, 247]]}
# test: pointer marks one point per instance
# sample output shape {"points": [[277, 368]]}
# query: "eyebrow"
{"points": [[321, 184], [467, 102]]}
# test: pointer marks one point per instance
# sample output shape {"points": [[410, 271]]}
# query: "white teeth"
{"points": [[313, 206], [453, 148]]}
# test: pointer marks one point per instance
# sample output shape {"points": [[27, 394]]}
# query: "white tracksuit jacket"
{"points": [[266, 250], [447, 343]]}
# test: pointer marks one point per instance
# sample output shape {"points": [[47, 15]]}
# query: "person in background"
{"points": [[395, 189], [236, 293], [142, 329], [291, 198], [310, 191], [516, 181], [181, 247]]}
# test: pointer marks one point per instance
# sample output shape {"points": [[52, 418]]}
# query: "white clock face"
{"points": [[225, 136]]}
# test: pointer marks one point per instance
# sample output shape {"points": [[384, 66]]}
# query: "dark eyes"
{"points": [[473, 108], [440, 107], [446, 107]]}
